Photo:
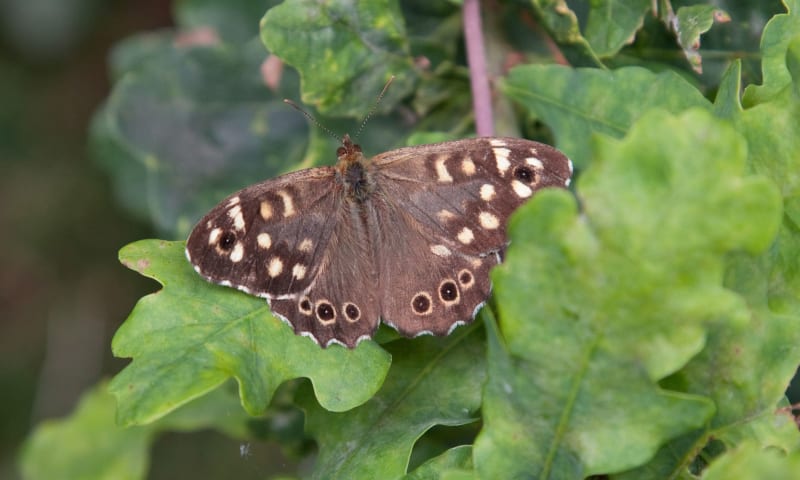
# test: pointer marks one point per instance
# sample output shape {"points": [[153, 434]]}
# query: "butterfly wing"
{"points": [[417, 251], [290, 240], [452, 201], [427, 287], [342, 304], [258, 239]]}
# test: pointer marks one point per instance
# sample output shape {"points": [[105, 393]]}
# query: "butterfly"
{"points": [[406, 237]]}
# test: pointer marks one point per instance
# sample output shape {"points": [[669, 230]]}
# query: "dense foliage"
{"points": [[644, 325]]}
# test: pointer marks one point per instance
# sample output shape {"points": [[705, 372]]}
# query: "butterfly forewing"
{"points": [[408, 237], [467, 189], [268, 239]]}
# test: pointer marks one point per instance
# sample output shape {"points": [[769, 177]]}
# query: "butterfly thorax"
{"points": [[352, 172]]}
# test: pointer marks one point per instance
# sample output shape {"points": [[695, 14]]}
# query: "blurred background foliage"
{"points": [[62, 291]]}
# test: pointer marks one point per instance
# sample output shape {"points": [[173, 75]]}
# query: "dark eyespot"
{"points": [[523, 174], [352, 312], [448, 291], [465, 278], [421, 303], [325, 311], [227, 240], [305, 306]]}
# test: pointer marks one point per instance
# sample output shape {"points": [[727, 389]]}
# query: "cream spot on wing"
{"points": [[466, 236], [501, 157], [213, 237], [299, 271], [445, 215], [440, 250], [488, 221], [306, 245], [266, 210], [522, 190], [534, 162], [497, 142], [569, 179], [233, 201], [468, 167], [236, 214], [264, 240], [441, 169], [288, 203], [275, 267], [487, 192], [237, 253]]}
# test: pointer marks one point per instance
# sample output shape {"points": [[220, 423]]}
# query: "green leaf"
{"points": [[343, 50], [780, 30], [191, 336], [691, 22], [235, 21], [746, 367], [773, 136], [433, 381], [577, 103], [186, 126], [562, 24], [727, 103], [88, 444], [612, 24], [752, 461], [624, 296], [453, 460]]}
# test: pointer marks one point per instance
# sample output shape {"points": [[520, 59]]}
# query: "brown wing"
{"points": [[267, 239], [293, 241], [444, 211], [464, 191], [426, 286], [342, 304]]}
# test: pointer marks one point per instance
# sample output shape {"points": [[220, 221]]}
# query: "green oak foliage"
{"points": [[88, 445], [190, 337], [576, 103], [445, 466], [432, 382], [186, 125], [691, 22], [753, 461], [643, 326], [624, 296], [342, 49]]}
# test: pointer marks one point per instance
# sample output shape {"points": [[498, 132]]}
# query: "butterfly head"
{"points": [[348, 154], [352, 172]]}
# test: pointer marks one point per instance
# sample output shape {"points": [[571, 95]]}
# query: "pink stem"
{"points": [[479, 78]]}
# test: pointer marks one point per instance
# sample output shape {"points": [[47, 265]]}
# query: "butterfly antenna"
{"points": [[311, 118], [374, 106]]}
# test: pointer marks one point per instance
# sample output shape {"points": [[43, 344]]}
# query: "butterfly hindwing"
{"points": [[341, 305], [426, 286]]}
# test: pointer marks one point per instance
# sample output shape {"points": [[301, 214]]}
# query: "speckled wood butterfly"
{"points": [[407, 237]]}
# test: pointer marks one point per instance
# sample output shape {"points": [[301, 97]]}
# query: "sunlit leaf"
{"points": [[190, 337]]}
